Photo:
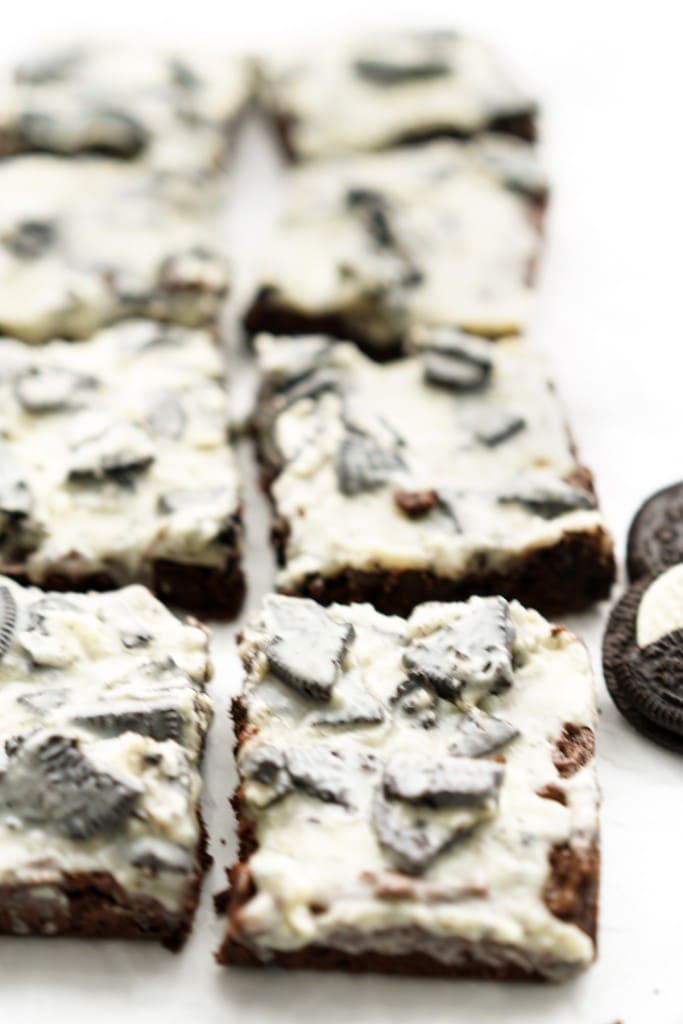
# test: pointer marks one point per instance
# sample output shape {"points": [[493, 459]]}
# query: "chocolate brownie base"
{"points": [[571, 893], [522, 125], [215, 592], [567, 577], [266, 314], [94, 906]]}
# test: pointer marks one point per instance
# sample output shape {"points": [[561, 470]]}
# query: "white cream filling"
{"points": [[79, 663], [661, 607], [334, 109], [104, 524], [313, 855], [331, 531]]}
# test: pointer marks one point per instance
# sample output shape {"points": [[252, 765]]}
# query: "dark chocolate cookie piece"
{"points": [[655, 539], [51, 784], [363, 465], [646, 684], [307, 647], [8, 619]]}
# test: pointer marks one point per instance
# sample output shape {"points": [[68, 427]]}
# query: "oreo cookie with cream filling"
{"points": [[643, 657]]}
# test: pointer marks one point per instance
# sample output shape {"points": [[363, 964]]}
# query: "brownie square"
{"points": [[371, 246], [104, 719], [443, 475], [86, 243], [376, 92], [116, 466], [416, 796]]}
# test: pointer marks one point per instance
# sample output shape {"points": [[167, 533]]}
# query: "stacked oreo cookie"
{"points": [[643, 645]]}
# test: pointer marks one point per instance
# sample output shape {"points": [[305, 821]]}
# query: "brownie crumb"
{"points": [[415, 503], [574, 749], [553, 792]]}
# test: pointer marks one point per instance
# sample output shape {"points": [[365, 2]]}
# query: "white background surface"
{"points": [[611, 79]]}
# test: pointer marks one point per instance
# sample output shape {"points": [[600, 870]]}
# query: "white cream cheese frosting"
{"points": [[114, 453], [170, 109], [89, 242], [661, 607], [104, 715], [485, 457], [370, 93], [323, 869], [443, 233]]}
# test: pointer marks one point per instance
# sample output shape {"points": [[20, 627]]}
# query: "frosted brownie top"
{"points": [[114, 453], [454, 460], [172, 109], [409, 774], [445, 233], [104, 717], [83, 244], [369, 93]]}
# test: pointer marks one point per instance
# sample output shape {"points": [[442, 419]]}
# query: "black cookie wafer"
{"points": [[646, 684], [655, 539]]}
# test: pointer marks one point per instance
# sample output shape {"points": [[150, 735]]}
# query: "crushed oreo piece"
{"points": [[471, 657], [373, 209], [50, 783], [117, 453], [547, 498], [414, 836], [493, 426], [8, 619], [266, 765], [51, 388], [478, 733], [363, 465], [419, 778], [391, 73], [307, 648], [311, 386], [320, 772], [43, 701], [30, 239], [353, 706], [418, 702], [159, 723], [464, 364]]}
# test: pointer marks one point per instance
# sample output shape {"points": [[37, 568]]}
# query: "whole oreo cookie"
{"points": [[646, 682], [655, 540]]}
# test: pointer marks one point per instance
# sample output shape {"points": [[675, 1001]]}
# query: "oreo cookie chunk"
{"points": [[655, 539], [643, 657]]}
